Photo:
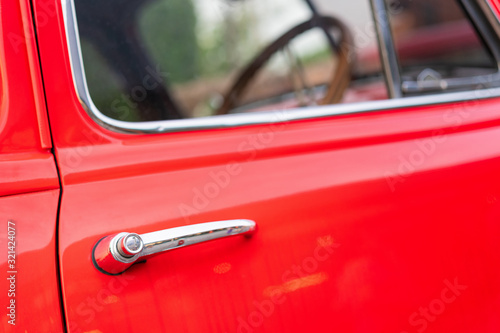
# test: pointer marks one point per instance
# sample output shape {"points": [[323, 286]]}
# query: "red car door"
{"points": [[29, 186], [379, 221]]}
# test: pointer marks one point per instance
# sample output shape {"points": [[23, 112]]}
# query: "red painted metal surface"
{"points": [[398, 250], [26, 163], [380, 222], [36, 78], [29, 187], [27, 172], [33, 280]]}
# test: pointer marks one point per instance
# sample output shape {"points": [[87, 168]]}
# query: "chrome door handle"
{"points": [[113, 254]]}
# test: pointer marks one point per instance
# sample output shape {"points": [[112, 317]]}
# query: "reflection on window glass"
{"points": [[170, 59], [436, 40]]}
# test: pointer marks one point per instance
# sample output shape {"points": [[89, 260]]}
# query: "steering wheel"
{"points": [[338, 82]]}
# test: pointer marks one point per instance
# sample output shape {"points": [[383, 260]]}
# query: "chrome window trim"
{"points": [[491, 15], [387, 49], [234, 120], [478, 12], [472, 82]]}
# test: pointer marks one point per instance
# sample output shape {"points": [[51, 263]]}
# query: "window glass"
{"points": [[436, 40], [169, 59]]}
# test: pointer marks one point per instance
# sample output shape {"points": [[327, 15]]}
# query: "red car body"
{"points": [[380, 221]]}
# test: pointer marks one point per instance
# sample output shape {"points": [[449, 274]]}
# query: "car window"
{"points": [[147, 60], [169, 59], [435, 40]]}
